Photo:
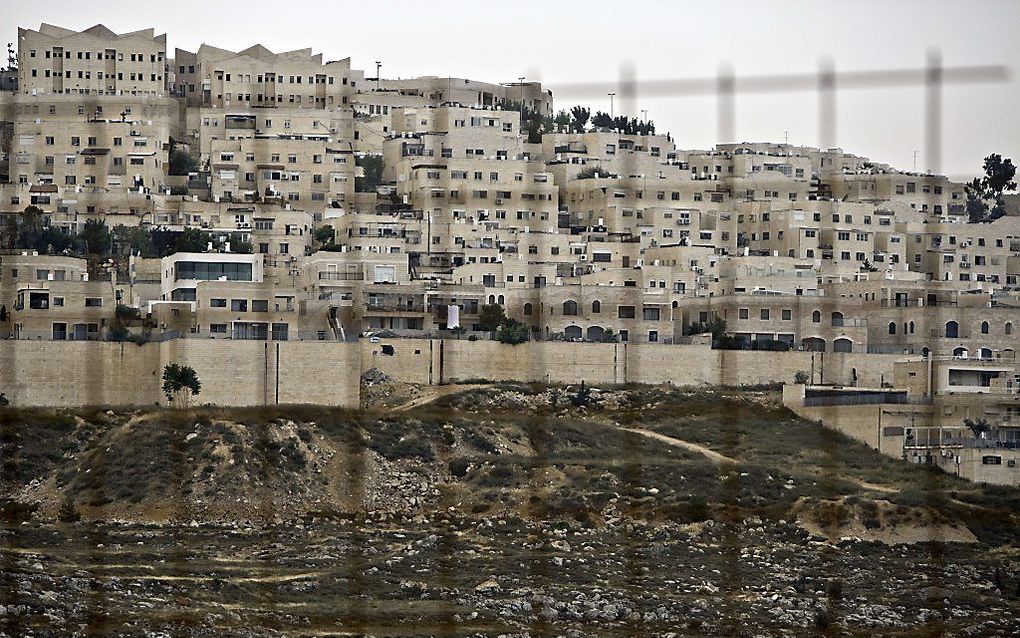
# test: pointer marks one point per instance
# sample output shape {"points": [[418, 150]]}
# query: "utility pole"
{"points": [[521, 80], [611, 96], [378, 67]]}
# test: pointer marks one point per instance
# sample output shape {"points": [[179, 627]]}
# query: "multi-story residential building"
{"points": [[93, 62], [218, 78]]}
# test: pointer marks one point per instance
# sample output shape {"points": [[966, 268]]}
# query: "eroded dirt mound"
{"points": [[853, 518]]}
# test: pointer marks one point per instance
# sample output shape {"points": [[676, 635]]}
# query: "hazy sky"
{"points": [[559, 42]]}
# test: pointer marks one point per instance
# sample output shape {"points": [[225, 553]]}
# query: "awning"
{"points": [[278, 167], [43, 188], [95, 151]]}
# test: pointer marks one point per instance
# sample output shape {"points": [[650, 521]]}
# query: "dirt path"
{"points": [[433, 392], [710, 454]]}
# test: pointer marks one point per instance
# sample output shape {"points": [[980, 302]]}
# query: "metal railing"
{"points": [[866, 398]]}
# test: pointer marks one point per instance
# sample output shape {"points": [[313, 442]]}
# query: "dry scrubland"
{"points": [[490, 509]]}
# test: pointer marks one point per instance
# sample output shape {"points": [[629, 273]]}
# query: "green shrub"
{"points": [[68, 513]]}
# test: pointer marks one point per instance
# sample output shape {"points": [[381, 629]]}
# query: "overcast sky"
{"points": [[561, 42]]}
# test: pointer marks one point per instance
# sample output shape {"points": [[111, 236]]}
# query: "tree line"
{"points": [[31, 230], [577, 119]]}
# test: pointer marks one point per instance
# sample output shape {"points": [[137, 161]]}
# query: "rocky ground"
{"points": [[501, 510]]}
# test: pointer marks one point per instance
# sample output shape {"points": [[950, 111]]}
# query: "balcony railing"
{"points": [[341, 276]]}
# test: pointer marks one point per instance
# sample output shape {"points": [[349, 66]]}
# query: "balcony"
{"points": [[341, 276]]}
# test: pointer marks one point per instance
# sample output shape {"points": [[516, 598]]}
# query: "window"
{"points": [[596, 307], [259, 305], [650, 314], [787, 314], [217, 303], [218, 328], [626, 312], [239, 305], [93, 302], [764, 314], [742, 313], [280, 331], [570, 308]]}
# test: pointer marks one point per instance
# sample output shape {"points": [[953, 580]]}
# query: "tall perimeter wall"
{"points": [[74, 373], [450, 361]]}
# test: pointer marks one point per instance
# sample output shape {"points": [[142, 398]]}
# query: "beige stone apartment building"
{"points": [[218, 78], [94, 62]]}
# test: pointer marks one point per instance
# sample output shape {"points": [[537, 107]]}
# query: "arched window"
{"points": [[596, 307], [925, 352], [837, 320], [816, 317], [527, 309], [952, 330], [985, 353], [984, 327], [1009, 327], [492, 299], [960, 352], [572, 333], [842, 345], [813, 344], [892, 327], [911, 327], [570, 308], [501, 300]]}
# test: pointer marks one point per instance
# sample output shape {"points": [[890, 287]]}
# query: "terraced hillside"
{"points": [[491, 510]]}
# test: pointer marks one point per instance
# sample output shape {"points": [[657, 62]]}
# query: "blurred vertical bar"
{"points": [[933, 112], [826, 103], [725, 88]]}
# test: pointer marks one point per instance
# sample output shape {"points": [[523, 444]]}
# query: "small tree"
{"points": [[512, 332], [491, 317], [978, 426], [324, 234], [800, 377], [372, 167], [180, 383], [191, 240], [182, 163], [985, 195]]}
